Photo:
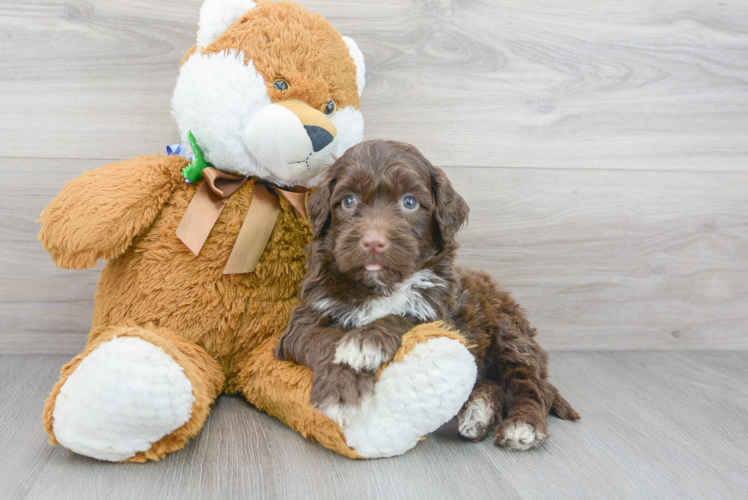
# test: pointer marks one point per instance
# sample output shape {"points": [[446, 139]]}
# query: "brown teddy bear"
{"points": [[205, 256]]}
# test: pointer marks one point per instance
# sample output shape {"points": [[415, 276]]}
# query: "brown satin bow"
{"points": [[207, 204]]}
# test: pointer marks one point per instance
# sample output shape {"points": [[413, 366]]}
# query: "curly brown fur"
{"points": [[382, 260]]}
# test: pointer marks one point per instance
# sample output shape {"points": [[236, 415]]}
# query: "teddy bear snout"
{"points": [[291, 139]]}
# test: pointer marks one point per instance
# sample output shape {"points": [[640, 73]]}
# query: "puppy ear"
{"points": [[450, 209], [318, 206]]}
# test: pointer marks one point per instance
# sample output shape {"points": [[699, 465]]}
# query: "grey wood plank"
{"points": [[600, 259], [654, 425], [613, 259], [736, 368], [241, 453], [632, 85], [645, 432]]}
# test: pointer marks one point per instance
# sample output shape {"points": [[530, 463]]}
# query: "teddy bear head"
{"points": [[270, 90]]}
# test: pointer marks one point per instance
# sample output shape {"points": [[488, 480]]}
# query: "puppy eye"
{"points": [[330, 107], [410, 203], [281, 84], [349, 202]]}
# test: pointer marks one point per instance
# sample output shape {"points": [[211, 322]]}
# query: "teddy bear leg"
{"points": [[425, 385], [282, 389], [134, 394]]}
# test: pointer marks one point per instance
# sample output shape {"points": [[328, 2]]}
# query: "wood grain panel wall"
{"points": [[602, 146]]}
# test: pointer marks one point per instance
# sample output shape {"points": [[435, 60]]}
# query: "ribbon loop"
{"points": [[208, 203], [221, 183]]}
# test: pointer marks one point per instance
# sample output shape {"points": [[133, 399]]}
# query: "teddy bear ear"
{"points": [[216, 16], [358, 58]]}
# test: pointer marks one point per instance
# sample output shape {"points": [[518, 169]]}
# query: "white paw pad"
{"points": [[360, 357], [475, 418], [521, 436], [123, 397], [412, 398]]}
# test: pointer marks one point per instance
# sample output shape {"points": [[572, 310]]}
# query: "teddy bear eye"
{"points": [[280, 84], [330, 107]]}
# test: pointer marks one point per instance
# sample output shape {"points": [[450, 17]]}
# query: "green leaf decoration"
{"points": [[194, 171]]}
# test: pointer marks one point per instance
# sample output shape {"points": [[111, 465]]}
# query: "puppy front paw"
{"points": [[365, 351], [518, 435], [338, 390]]}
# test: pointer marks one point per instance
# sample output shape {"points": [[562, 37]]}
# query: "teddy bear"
{"points": [[205, 250]]}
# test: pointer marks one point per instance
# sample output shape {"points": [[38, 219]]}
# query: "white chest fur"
{"points": [[405, 300]]}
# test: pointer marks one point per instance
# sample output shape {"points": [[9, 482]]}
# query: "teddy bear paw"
{"points": [[123, 397], [412, 398]]}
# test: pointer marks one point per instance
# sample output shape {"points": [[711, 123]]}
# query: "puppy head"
{"points": [[383, 211]]}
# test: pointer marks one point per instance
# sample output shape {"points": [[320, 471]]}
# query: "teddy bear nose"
{"points": [[374, 242], [319, 136]]}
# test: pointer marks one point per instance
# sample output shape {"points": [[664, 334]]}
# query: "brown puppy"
{"points": [[382, 260]]}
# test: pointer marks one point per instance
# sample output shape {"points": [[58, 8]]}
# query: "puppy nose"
{"points": [[319, 136], [374, 242]]}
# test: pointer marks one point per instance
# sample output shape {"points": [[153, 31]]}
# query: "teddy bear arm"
{"points": [[97, 215]]}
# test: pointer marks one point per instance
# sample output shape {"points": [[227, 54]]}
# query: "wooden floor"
{"points": [[654, 425]]}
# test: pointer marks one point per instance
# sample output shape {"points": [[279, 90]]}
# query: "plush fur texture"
{"points": [[219, 97], [159, 302], [424, 385], [358, 58], [382, 260], [202, 371], [351, 120], [427, 384], [104, 412], [305, 50], [215, 96], [216, 16]]}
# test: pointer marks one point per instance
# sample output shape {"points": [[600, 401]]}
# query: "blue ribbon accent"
{"points": [[179, 149], [173, 149]]}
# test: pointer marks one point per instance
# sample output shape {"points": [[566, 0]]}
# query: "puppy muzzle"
{"points": [[291, 139]]}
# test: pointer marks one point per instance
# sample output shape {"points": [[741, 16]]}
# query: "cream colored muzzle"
{"points": [[291, 139]]}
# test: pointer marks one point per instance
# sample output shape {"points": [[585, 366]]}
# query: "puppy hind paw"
{"points": [[476, 419], [518, 435]]}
